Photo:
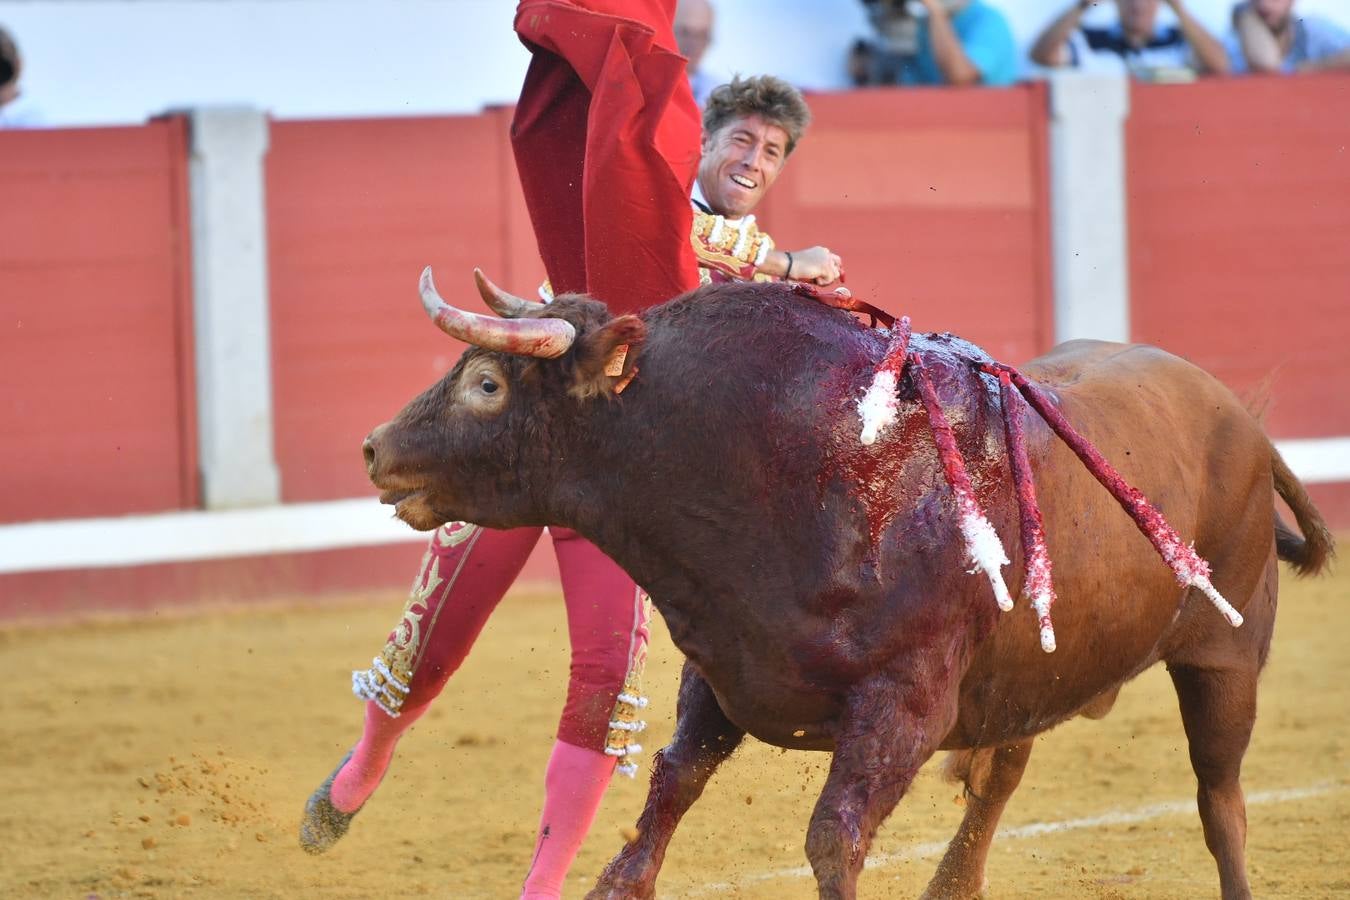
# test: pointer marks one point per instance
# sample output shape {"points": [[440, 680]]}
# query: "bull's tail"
{"points": [[1310, 551]]}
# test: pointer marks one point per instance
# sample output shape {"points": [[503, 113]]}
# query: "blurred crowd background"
{"points": [[87, 62]]}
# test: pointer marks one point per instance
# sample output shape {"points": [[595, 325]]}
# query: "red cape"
{"points": [[606, 137]]}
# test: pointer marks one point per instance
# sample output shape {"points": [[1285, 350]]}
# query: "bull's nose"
{"points": [[368, 451], [368, 448]]}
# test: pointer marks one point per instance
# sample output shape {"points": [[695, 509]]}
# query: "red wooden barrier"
{"points": [[96, 368], [938, 201], [1239, 217], [1239, 204], [355, 210]]}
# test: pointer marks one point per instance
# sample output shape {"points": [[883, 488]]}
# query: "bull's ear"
{"points": [[606, 357]]}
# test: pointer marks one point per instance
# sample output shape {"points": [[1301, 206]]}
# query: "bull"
{"points": [[817, 585]]}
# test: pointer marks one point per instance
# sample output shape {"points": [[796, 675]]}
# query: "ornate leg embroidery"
{"points": [[624, 724], [389, 677]]}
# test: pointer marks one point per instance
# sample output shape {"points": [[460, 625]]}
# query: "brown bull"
{"points": [[818, 587]]}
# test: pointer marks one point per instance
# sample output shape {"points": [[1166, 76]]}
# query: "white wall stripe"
{"points": [[360, 522], [1318, 460], [183, 536], [1107, 819]]}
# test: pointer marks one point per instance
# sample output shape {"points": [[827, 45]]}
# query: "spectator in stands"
{"points": [[1135, 44], [925, 42], [11, 66], [693, 35], [14, 113], [1268, 37]]}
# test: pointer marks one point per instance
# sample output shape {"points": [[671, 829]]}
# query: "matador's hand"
{"points": [[815, 264]]}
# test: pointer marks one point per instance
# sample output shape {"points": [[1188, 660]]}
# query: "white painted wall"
{"points": [[1089, 243], [230, 308], [120, 61]]}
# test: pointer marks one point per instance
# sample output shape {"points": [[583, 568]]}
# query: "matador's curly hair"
{"points": [[770, 98]]}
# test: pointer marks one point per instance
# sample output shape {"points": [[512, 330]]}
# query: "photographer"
{"points": [[930, 42]]}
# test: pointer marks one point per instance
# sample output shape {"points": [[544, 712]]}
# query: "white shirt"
{"points": [[1105, 50]]}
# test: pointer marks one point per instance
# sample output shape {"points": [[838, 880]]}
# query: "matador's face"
{"points": [[741, 161]]}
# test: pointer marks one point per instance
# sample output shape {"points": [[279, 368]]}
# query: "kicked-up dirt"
{"points": [[171, 756]]}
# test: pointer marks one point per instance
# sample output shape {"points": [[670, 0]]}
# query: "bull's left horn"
{"points": [[546, 338], [504, 304]]}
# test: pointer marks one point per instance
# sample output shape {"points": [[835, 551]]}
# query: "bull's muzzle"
{"points": [[382, 468], [368, 449]]}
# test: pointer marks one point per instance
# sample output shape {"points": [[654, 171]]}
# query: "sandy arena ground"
{"points": [[171, 757]]}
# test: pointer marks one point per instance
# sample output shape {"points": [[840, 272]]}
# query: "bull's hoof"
{"points": [[956, 889], [324, 824], [612, 888], [620, 892]]}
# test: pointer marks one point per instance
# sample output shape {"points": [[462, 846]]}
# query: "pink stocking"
{"points": [[574, 784], [607, 624], [362, 774]]}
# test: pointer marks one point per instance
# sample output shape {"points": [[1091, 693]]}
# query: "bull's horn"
{"points": [[546, 338], [508, 306]]}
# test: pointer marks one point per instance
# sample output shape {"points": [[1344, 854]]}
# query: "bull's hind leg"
{"points": [[1215, 678], [1218, 709], [704, 738], [888, 730], [991, 777]]}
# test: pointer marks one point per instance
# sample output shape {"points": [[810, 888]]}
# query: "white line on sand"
{"points": [[1036, 829]]}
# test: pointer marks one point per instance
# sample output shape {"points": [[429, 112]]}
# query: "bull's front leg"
{"points": [[889, 728], [704, 738]]}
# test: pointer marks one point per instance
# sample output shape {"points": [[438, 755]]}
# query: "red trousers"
{"points": [[465, 573]]}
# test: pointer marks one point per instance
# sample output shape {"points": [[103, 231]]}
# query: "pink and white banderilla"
{"points": [[982, 544], [880, 404], [1186, 564], [879, 408]]}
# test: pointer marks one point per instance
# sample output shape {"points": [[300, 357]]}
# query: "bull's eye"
{"points": [[488, 386]]}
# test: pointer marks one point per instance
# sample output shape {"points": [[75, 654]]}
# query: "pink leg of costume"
{"points": [[465, 573], [607, 623]]}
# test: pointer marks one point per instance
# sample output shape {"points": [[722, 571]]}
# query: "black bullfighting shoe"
{"points": [[324, 824]]}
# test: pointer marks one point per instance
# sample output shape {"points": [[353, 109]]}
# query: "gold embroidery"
{"points": [[730, 248], [453, 534], [389, 677], [624, 724], [408, 636]]}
